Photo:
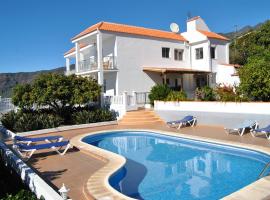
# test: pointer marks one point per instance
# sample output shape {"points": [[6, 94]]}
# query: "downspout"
{"points": [[210, 62]]}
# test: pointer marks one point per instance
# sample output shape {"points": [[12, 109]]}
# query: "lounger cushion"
{"points": [[37, 139], [42, 146], [265, 129], [185, 119]]}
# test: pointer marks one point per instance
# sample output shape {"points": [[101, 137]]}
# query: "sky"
{"points": [[34, 34]]}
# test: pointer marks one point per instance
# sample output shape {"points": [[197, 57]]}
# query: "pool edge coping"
{"points": [[98, 186]]}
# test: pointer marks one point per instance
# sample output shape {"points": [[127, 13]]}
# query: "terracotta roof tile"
{"points": [[121, 28], [73, 49], [212, 35]]}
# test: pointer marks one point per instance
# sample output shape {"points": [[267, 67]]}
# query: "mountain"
{"points": [[9, 80], [242, 31]]}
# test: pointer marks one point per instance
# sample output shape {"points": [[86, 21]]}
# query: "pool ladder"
{"points": [[264, 170]]}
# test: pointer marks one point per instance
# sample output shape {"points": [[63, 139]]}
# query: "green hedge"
{"points": [[29, 120], [98, 115]]}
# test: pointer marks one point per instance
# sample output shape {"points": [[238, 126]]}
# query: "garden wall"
{"points": [[223, 107]]}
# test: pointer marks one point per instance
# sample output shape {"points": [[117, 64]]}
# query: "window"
{"points": [[199, 53], [165, 52], [213, 52], [178, 54]]}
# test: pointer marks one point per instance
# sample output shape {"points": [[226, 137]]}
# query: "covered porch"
{"points": [[186, 79], [93, 55]]}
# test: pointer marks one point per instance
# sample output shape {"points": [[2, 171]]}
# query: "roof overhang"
{"points": [[231, 65], [172, 70]]}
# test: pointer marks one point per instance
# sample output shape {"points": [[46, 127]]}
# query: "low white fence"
{"points": [[222, 107], [6, 105], [126, 102], [35, 183]]}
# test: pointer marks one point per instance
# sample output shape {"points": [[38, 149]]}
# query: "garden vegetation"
{"points": [[52, 100]]}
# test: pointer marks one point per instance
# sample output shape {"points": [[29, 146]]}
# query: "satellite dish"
{"points": [[174, 27]]}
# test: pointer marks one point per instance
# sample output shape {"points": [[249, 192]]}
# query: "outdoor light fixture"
{"points": [[64, 192]]}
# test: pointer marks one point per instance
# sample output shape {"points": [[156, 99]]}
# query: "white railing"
{"points": [[116, 100], [6, 105], [109, 63], [88, 65], [142, 98], [127, 102]]}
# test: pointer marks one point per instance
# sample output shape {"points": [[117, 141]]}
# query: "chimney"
{"points": [[196, 23]]}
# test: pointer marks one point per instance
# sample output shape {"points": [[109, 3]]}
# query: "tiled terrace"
{"points": [[75, 168]]}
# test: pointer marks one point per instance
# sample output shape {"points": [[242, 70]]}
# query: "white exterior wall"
{"points": [[200, 64], [224, 75], [134, 53], [222, 107]]}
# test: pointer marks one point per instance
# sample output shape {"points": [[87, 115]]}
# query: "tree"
{"points": [[22, 96], [253, 43], [61, 93], [255, 78]]}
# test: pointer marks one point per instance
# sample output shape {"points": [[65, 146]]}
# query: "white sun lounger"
{"points": [[26, 151], [247, 125]]}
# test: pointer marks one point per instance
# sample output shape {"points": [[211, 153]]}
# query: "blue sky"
{"points": [[34, 34]]}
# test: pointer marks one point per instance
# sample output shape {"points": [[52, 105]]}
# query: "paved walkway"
{"points": [[75, 168]]}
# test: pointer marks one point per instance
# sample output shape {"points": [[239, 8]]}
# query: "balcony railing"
{"points": [[109, 63], [88, 65]]}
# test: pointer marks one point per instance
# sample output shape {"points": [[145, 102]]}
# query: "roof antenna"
{"points": [[189, 16]]}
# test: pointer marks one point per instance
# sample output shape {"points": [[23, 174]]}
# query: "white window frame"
{"points": [[200, 54], [169, 55], [215, 52], [176, 57]]}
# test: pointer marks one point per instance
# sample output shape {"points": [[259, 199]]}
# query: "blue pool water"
{"points": [[164, 167]]}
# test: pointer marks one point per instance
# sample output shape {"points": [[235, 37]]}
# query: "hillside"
{"points": [[242, 31], [9, 80]]}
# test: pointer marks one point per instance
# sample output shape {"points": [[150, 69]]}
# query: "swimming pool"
{"points": [[167, 167]]}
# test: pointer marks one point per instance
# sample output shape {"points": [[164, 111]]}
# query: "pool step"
{"points": [[140, 117]]}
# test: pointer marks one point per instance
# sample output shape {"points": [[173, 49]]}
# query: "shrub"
{"points": [[159, 92], [21, 195], [228, 93], [9, 120], [29, 121], [205, 94], [98, 115], [176, 96]]}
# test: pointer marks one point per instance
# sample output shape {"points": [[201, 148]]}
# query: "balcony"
{"points": [[109, 63]]}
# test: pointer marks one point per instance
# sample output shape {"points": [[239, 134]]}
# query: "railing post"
{"points": [[125, 100], [134, 95]]}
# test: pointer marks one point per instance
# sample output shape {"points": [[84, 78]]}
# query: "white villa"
{"points": [[129, 58]]}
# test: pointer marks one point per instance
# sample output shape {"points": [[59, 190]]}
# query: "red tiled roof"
{"points": [[212, 35], [73, 49], [121, 28]]}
